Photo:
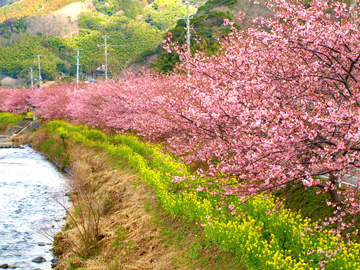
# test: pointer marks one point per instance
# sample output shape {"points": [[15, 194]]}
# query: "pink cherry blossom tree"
{"points": [[4, 93], [16, 100], [131, 103], [51, 102], [276, 105], [279, 104]]}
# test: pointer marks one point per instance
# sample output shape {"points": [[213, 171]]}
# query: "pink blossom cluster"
{"points": [[15, 100]]}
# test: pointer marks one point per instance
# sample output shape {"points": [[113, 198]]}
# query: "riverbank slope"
{"points": [[116, 221]]}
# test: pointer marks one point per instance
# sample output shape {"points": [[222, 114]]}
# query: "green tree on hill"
{"points": [[207, 24], [163, 14], [15, 60]]}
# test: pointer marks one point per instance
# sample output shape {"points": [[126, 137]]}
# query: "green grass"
{"points": [[46, 145], [8, 119], [306, 202], [75, 263], [55, 149], [121, 234], [194, 251]]}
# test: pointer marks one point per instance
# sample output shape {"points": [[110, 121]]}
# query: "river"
{"points": [[29, 213]]}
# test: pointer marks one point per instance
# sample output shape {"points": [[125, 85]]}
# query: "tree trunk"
{"points": [[335, 196]]}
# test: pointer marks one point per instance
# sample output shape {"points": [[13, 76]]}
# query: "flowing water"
{"points": [[30, 213]]}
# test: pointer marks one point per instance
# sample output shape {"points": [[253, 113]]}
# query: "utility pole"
{"points": [[32, 88], [105, 45], [187, 28], [39, 63], [32, 77], [187, 4], [78, 64]]}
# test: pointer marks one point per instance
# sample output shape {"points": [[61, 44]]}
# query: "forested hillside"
{"points": [[208, 27], [17, 59], [133, 28], [31, 8]]}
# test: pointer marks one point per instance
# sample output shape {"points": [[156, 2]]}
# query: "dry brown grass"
{"points": [[4, 127], [122, 207], [35, 138]]}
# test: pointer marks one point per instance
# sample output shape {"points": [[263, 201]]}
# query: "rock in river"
{"points": [[55, 262], [7, 266], [39, 260]]}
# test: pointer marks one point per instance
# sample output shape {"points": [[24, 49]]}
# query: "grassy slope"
{"points": [[306, 201], [7, 120], [136, 233], [119, 156]]}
